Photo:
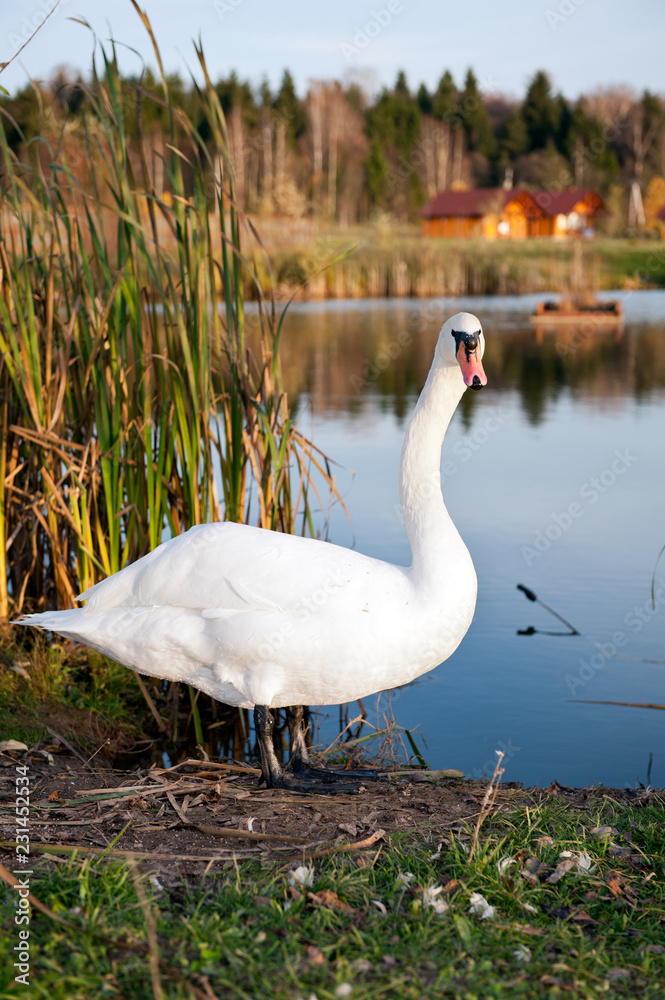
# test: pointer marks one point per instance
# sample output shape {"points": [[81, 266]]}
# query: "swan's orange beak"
{"points": [[472, 367]]}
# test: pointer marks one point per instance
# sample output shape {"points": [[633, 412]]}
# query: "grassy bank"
{"points": [[402, 264], [577, 895], [161, 884]]}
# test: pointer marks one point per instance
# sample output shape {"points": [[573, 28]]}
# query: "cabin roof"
{"points": [[477, 202], [480, 201], [563, 202]]}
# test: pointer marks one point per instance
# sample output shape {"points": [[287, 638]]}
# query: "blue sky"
{"points": [[583, 44]]}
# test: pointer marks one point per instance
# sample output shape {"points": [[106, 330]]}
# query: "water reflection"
{"points": [[336, 355], [560, 406]]}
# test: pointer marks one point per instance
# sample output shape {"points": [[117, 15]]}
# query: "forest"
{"points": [[345, 157]]}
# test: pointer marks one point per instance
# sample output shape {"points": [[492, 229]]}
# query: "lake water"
{"points": [[555, 477]]}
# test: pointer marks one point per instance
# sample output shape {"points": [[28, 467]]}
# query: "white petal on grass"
{"points": [[156, 884], [344, 990], [431, 898], [504, 864], [582, 860], [381, 907], [406, 877], [522, 953], [437, 853], [301, 876], [481, 907], [529, 908], [250, 824]]}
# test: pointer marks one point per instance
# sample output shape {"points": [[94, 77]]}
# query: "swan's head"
{"points": [[461, 342]]}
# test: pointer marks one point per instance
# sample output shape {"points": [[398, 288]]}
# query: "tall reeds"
{"points": [[131, 390]]}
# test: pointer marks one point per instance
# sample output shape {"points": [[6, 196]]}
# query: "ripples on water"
{"points": [[555, 477]]}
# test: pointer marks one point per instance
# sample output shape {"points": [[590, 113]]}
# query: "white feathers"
{"points": [[256, 617]]}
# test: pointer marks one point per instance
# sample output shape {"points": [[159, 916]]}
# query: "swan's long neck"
{"points": [[432, 534]]}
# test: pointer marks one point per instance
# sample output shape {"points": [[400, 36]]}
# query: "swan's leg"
{"points": [[272, 770], [299, 757]]}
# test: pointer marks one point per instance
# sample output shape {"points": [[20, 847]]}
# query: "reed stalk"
{"points": [[134, 401]]}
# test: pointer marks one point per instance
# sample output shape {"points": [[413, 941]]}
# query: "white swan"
{"points": [[261, 620]]}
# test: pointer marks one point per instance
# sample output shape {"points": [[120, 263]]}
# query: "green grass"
{"points": [[460, 267], [597, 933]]}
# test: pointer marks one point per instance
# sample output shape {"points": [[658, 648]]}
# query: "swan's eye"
{"points": [[470, 340]]}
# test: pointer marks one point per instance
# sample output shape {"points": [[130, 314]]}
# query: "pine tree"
{"points": [[475, 119], [289, 106], [541, 112], [445, 98]]}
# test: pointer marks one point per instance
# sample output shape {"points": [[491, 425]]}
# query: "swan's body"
{"points": [[257, 618]]}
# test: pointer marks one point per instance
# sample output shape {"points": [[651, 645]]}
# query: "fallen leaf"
{"points": [[561, 869], [349, 828], [330, 899], [54, 796], [604, 832], [619, 852], [543, 842], [11, 745], [582, 917], [314, 955], [614, 885], [615, 975]]}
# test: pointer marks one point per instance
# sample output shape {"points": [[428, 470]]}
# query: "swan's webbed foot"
{"points": [[303, 769], [299, 759], [301, 776]]}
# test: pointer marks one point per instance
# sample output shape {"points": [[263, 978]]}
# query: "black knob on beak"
{"points": [[476, 384]]}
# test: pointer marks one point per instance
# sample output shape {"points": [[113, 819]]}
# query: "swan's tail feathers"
{"points": [[65, 623]]}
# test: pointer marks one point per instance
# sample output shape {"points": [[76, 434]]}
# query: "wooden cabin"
{"points": [[566, 213], [491, 213], [488, 213]]}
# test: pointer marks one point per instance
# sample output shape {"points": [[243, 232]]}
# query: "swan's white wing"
{"points": [[228, 566]]}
